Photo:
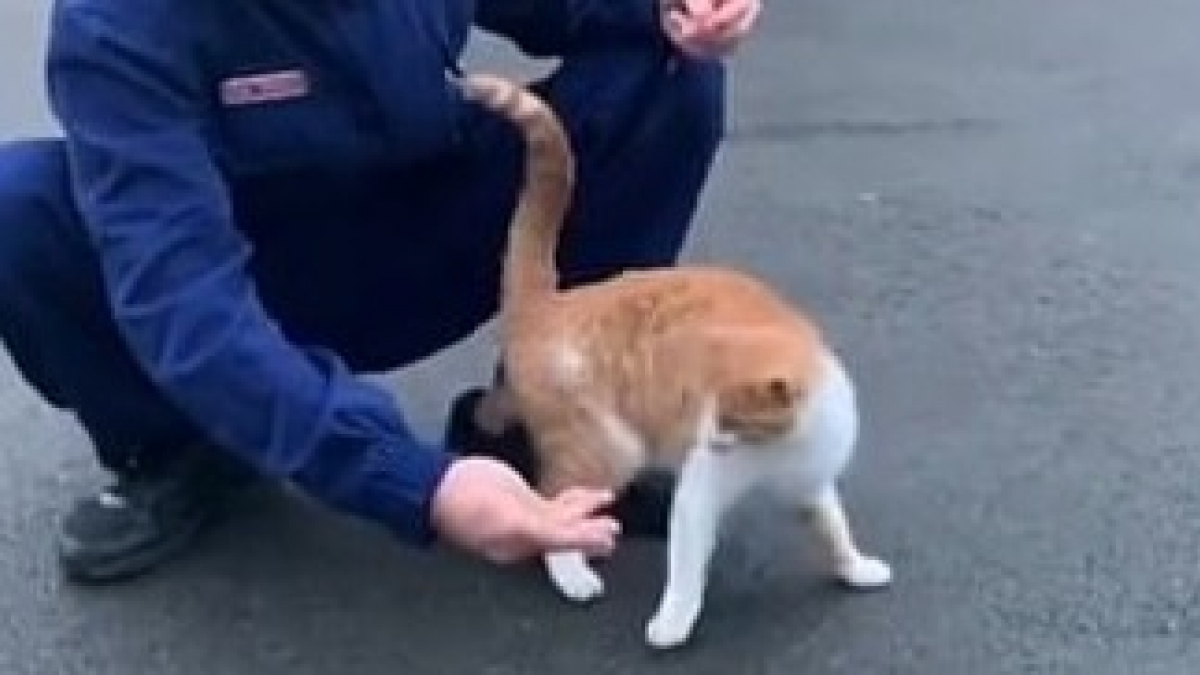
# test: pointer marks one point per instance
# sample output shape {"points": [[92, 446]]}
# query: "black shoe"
{"points": [[643, 509], [146, 519]]}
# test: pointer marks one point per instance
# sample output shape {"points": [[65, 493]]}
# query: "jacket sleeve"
{"points": [[176, 275], [555, 27]]}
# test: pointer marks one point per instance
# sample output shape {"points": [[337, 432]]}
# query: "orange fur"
{"points": [[651, 348]]}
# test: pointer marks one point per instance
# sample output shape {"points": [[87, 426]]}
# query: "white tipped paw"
{"points": [[669, 629], [573, 577], [866, 573]]}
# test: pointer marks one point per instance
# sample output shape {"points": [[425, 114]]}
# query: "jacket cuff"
{"points": [[398, 490]]}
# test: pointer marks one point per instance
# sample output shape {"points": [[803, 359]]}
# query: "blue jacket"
{"points": [[157, 98]]}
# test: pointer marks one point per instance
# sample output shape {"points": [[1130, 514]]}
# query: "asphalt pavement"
{"points": [[993, 209]]}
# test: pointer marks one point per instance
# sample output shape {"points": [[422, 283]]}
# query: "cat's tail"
{"points": [[529, 271]]}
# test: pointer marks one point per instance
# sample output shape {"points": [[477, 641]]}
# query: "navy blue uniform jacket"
{"points": [[162, 115]]}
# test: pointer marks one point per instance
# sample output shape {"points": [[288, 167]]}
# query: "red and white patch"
{"points": [[265, 88]]}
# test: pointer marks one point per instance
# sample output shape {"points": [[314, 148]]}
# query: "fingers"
{"points": [[680, 27], [578, 503], [549, 530], [594, 537], [686, 32], [750, 18], [485, 506], [692, 7], [708, 27], [570, 523], [733, 18]]}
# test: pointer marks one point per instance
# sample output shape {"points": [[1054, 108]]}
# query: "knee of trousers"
{"points": [[44, 270], [694, 95], [35, 238], [681, 105], [53, 315], [642, 99]]}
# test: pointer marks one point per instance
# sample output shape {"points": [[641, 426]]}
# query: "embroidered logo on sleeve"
{"points": [[265, 88]]}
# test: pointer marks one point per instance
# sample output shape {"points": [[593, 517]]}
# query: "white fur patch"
{"points": [[569, 365], [573, 577]]}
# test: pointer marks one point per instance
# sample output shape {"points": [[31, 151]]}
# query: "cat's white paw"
{"points": [[866, 573], [670, 628], [573, 577]]}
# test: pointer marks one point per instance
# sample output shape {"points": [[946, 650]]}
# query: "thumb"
{"points": [[697, 8], [577, 503]]}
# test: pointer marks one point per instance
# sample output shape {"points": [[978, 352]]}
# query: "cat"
{"points": [[700, 370]]}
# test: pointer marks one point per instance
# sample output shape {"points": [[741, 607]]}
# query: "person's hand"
{"points": [[709, 28], [487, 508]]}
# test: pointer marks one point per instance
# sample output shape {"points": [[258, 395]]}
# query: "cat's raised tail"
{"points": [[530, 272]]}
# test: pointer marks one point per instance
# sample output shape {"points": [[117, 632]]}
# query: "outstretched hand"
{"points": [[486, 507], [709, 28]]}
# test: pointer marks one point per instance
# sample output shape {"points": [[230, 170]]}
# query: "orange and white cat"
{"points": [[701, 370]]}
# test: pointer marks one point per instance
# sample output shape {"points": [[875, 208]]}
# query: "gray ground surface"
{"points": [[991, 205]]}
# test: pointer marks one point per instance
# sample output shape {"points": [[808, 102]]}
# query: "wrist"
{"points": [[440, 510]]}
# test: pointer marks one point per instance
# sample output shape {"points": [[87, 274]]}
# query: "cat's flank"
{"points": [[701, 370]]}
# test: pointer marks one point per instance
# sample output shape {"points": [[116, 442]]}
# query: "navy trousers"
{"points": [[384, 282]]}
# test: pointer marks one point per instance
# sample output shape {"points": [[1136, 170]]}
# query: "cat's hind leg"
{"points": [[851, 566], [827, 446]]}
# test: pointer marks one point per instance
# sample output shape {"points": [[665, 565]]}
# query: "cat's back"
{"points": [[648, 345], [666, 300], [675, 323]]}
